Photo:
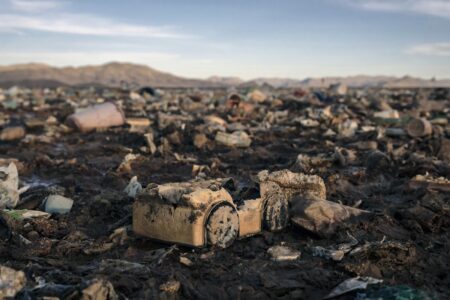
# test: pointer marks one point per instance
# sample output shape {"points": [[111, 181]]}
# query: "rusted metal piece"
{"points": [[99, 116]]}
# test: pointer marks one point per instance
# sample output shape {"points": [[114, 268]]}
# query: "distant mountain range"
{"points": [[132, 75]]}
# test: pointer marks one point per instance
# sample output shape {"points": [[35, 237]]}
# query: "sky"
{"points": [[244, 38]]}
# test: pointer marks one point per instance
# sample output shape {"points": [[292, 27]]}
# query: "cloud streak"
{"points": [[440, 8], [436, 49], [33, 6], [84, 25]]}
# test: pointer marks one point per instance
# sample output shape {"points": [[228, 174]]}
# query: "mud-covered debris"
{"points": [[222, 227], [322, 217], [348, 128], [338, 89], [99, 289], [311, 164], [119, 236], [429, 182], [387, 114], [133, 187], [125, 166], [344, 156], [335, 252], [138, 124], [256, 96], [186, 261], [9, 186], [377, 162], [352, 284], [11, 282], [24, 214], [12, 133], [419, 128], [171, 287], [296, 184], [149, 139], [238, 139], [444, 150], [283, 253], [57, 204], [99, 116], [200, 140]]}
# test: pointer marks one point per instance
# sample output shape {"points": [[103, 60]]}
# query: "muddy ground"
{"points": [[61, 255]]}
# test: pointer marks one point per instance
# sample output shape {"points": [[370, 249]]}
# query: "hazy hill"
{"points": [[111, 74], [351, 81], [133, 75]]}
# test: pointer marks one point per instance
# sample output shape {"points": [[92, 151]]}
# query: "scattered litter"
{"points": [[99, 289], [186, 261], [9, 186], [283, 253], [419, 128], [322, 217], [25, 214], [11, 282], [56, 204], [337, 252], [429, 182], [133, 187], [12, 133], [236, 139], [352, 284], [99, 116]]}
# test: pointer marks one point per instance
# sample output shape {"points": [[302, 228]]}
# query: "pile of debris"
{"points": [[229, 193]]}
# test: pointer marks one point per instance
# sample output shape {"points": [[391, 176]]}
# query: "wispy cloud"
{"points": [[33, 6], [439, 8], [436, 49], [84, 25]]}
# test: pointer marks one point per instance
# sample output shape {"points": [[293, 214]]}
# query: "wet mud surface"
{"points": [[404, 241]]}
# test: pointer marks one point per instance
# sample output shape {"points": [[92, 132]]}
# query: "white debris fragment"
{"points": [[133, 187], [58, 204], [283, 253]]}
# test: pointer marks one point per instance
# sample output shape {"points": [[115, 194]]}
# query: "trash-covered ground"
{"points": [[66, 225]]}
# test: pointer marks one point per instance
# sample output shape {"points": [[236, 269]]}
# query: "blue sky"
{"points": [[245, 38]]}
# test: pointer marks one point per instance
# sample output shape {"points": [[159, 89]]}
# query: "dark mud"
{"points": [[68, 251]]}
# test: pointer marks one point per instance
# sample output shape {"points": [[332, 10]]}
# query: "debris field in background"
{"points": [[248, 192]]}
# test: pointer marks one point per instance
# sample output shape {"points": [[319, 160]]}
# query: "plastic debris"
{"points": [[133, 187], [99, 116], [236, 139], [352, 284], [58, 204]]}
